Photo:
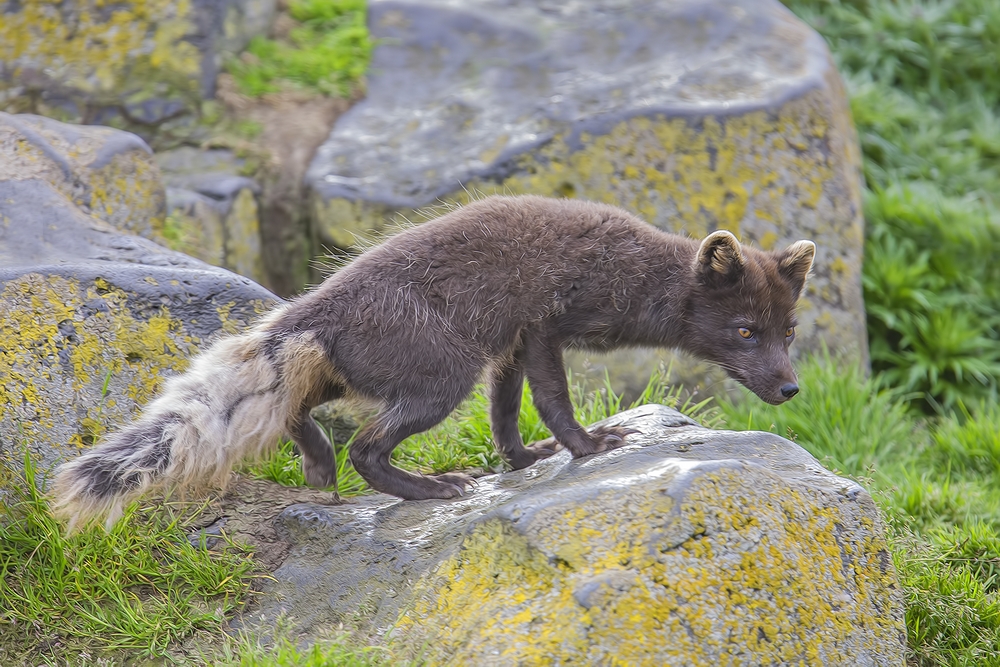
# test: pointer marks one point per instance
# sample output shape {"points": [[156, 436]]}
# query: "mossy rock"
{"points": [[213, 210], [695, 115], [136, 63], [687, 546], [103, 172], [93, 319]]}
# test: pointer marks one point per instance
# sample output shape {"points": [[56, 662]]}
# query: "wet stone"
{"points": [[737, 548]]}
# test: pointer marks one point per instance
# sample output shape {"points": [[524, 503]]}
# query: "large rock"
{"points": [[137, 63], [695, 114], [92, 318], [686, 546], [213, 211]]}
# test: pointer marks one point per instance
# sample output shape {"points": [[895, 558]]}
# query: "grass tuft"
{"points": [[244, 650], [840, 416], [952, 610], [327, 51], [284, 466], [135, 590]]}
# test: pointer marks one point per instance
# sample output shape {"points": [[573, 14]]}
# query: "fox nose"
{"points": [[789, 390]]}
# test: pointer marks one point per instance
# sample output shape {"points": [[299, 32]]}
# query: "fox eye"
{"points": [[744, 332], [789, 332]]}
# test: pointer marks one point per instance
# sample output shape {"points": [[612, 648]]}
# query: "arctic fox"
{"points": [[497, 289]]}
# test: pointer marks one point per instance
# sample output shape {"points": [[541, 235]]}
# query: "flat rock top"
{"points": [[457, 89]]}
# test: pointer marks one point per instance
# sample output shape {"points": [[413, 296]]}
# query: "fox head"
{"points": [[742, 311]]}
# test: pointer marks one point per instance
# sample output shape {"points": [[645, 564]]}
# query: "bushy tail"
{"points": [[234, 402]]}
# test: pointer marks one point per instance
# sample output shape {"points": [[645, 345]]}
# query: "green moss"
{"points": [[328, 51], [96, 48]]}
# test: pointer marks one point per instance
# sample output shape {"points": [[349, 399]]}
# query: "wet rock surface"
{"points": [[686, 546], [694, 115], [93, 318]]}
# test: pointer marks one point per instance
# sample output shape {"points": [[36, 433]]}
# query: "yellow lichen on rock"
{"points": [[100, 45], [127, 192], [69, 345], [720, 565], [729, 173]]}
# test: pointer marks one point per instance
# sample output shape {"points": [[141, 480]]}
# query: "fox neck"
{"points": [[660, 318]]}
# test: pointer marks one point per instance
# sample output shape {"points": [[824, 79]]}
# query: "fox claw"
{"points": [[461, 482], [603, 438], [611, 437]]}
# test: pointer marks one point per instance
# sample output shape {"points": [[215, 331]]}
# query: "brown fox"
{"points": [[497, 289]]}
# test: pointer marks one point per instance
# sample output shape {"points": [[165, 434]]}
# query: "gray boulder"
{"points": [[695, 114], [105, 173], [686, 546], [93, 318]]}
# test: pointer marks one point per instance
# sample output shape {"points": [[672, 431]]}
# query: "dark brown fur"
{"points": [[504, 285]]}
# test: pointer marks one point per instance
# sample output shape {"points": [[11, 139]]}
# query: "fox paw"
{"points": [[319, 475], [604, 438], [536, 451], [457, 481], [543, 449]]}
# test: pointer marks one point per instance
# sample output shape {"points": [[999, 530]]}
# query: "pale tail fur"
{"points": [[234, 402]]}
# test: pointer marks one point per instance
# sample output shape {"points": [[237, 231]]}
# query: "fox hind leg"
{"points": [[373, 446], [319, 465]]}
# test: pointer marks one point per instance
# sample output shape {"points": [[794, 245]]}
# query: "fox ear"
{"points": [[720, 256], [794, 263]]}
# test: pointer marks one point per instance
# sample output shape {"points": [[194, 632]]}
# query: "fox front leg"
{"points": [[506, 387], [546, 373]]}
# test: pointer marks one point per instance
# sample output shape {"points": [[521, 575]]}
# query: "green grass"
{"points": [[134, 591], [284, 466], [328, 51], [952, 610], [925, 96], [244, 650], [852, 421]]}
